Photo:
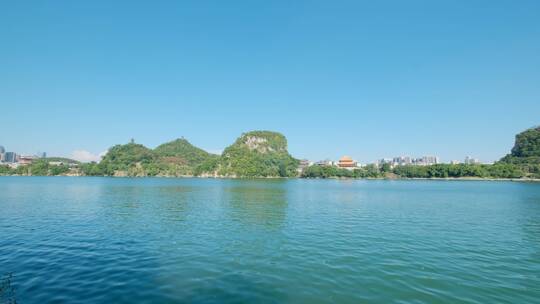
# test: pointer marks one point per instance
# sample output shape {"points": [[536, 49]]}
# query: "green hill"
{"points": [[130, 159], [175, 158], [254, 154], [526, 149], [180, 157], [182, 152], [258, 154], [526, 152]]}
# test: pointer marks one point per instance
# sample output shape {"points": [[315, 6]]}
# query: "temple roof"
{"points": [[345, 159]]}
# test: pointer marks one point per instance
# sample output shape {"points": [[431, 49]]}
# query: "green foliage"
{"points": [[527, 143], [526, 153], [130, 159], [370, 171], [459, 170], [58, 170], [182, 151], [92, 169], [505, 171], [325, 172], [208, 166], [40, 167], [5, 170], [386, 168], [124, 156], [175, 158], [274, 141], [258, 154], [526, 148], [433, 171], [179, 157]]}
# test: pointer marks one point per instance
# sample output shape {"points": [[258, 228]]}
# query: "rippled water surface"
{"points": [[106, 240]]}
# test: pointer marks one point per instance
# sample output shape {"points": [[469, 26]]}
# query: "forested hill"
{"points": [[182, 152], [526, 149], [254, 154], [175, 158], [258, 154]]}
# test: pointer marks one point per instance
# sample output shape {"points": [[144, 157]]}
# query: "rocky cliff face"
{"points": [[263, 141], [257, 143]]}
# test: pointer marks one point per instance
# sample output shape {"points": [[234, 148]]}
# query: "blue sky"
{"points": [[366, 79]]}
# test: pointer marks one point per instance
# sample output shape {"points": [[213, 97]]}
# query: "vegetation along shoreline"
{"points": [[264, 154]]}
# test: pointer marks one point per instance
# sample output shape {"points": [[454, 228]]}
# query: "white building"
{"points": [[325, 162], [430, 160], [471, 161], [402, 161]]}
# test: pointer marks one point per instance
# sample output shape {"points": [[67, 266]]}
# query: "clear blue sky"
{"points": [[366, 79]]}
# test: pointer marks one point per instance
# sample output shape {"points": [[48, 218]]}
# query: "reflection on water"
{"points": [[108, 240], [257, 203]]}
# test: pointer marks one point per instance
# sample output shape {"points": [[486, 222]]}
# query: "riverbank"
{"points": [[435, 178], [307, 178]]}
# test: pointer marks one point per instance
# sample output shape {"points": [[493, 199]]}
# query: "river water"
{"points": [[158, 240]]}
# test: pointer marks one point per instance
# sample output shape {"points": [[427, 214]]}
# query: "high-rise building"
{"points": [[383, 161], [430, 160], [402, 160], [10, 157], [2, 150], [471, 161]]}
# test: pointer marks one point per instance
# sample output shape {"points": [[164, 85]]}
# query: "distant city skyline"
{"points": [[359, 78]]}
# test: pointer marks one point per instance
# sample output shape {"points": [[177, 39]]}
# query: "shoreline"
{"points": [[532, 180]]}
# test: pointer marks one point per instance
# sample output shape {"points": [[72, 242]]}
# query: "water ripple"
{"points": [[103, 240]]}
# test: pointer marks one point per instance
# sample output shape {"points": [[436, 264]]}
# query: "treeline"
{"points": [[369, 171], [460, 170], [498, 170], [37, 168], [142, 169]]}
